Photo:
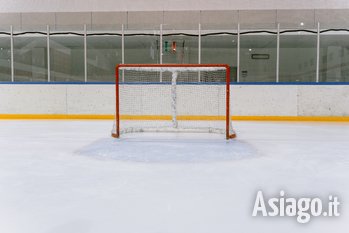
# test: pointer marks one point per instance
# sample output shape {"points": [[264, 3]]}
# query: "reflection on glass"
{"points": [[30, 58], [334, 58], [103, 54], [220, 49], [297, 58], [67, 58], [258, 58], [142, 49], [180, 49], [5, 59], [297, 61]]}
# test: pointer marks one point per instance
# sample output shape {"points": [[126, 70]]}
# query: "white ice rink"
{"points": [[72, 177]]}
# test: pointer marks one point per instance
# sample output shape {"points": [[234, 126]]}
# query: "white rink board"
{"points": [[246, 100], [323, 100], [90, 99], [254, 100], [33, 99]]}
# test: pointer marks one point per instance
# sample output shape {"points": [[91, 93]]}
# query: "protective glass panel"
{"points": [[334, 58], [297, 58], [103, 54], [5, 59], [67, 58], [30, 58], [258, 58]]}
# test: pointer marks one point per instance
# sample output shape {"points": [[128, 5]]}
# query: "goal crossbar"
{"points": [[171, 67]]}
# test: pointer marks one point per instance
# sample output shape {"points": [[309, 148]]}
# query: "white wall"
{"points": [[70, 18], [247, 100], [159, 5]]}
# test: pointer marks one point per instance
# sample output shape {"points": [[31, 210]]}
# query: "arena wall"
{"points": [[247, 100], [159, 5]]}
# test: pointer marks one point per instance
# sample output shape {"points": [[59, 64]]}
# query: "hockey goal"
{"points": [[173, 98]]}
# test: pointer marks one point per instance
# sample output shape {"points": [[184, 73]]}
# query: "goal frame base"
{"points": [[230, 136]]}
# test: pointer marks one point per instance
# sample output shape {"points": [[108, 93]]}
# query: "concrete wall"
{"points": [[189, 18], [159, 5], [247, 100]]}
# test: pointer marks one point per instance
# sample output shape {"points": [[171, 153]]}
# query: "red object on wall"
{"points": [[174, 45]]}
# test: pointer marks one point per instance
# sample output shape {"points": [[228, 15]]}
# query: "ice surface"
{"points": [[72, 177], [170, 148]]}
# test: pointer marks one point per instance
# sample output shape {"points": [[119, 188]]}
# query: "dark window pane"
{"points": [[103, 54], [67, 58], [298, 58], [30, 58], [334, 58], [258, 58], [5, 59]]}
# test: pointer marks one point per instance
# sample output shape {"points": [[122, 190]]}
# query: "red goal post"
{"points": [[174, 69]]}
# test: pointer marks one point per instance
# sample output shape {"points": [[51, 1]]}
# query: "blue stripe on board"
{"points": [[58, 83], [292, 83], [244, 83], [181, 83], [169, 83]]}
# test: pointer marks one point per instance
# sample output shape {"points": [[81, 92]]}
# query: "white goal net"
{"points": [[173, 98]]}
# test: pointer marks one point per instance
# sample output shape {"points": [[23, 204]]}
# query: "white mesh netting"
{"points": [[172, 99]]}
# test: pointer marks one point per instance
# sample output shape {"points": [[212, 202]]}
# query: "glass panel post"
{"points": [[85, 53], [199, 50], [12, 63], [48, 55], [278, 53], [318, 52], [238, 56]]}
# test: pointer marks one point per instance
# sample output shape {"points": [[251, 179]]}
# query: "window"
{"points": [[296, 52], [142, 49], [220, 49], [5, 59], [67, 58], [103, 54], [258, 58], [334, 58], [180, 49], [30, 58]]}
